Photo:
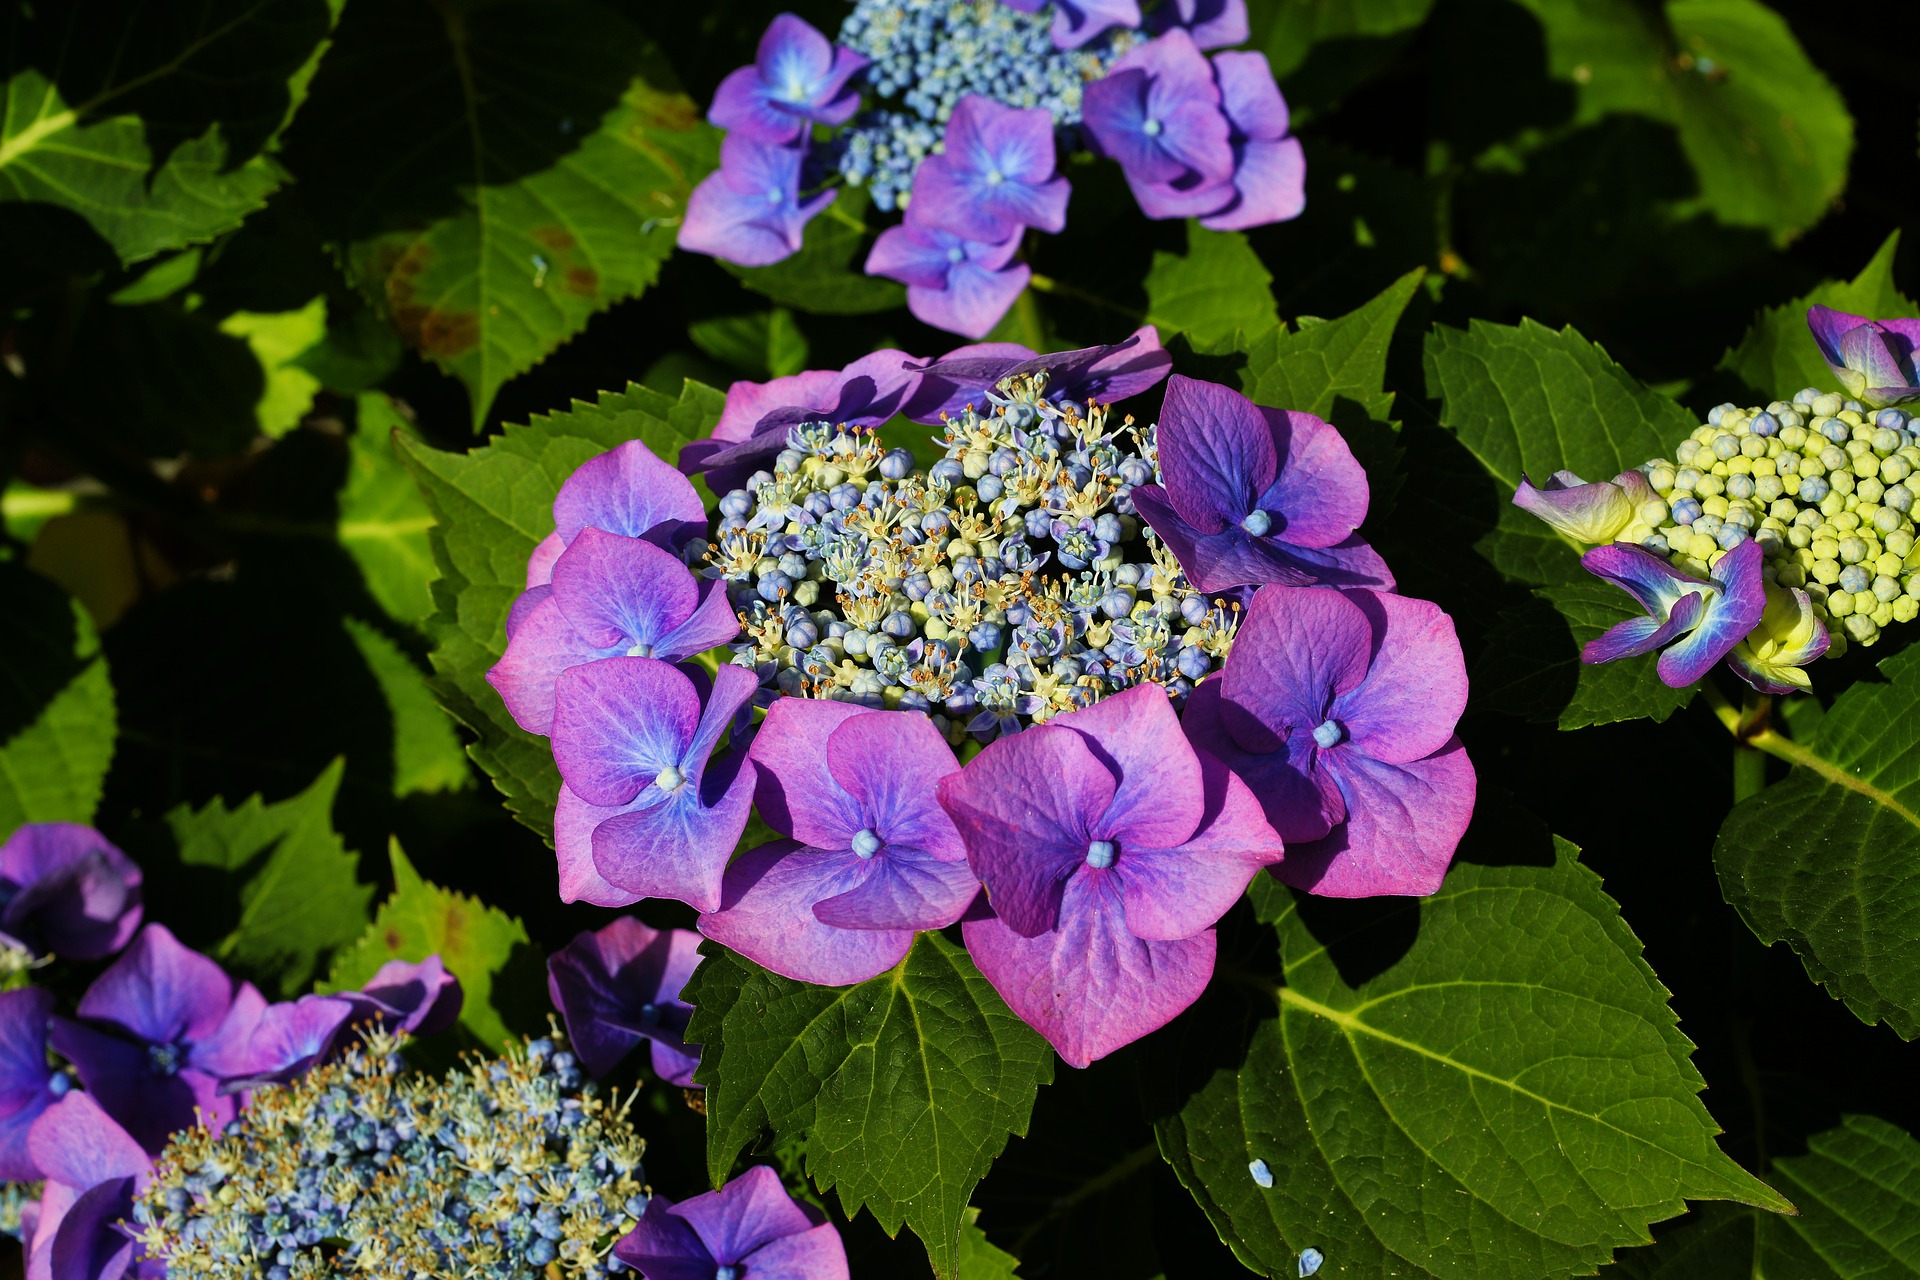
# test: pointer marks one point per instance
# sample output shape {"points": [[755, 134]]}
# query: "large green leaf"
{"points": [[906, 1086], [826, 276], [278, 339], [1778, 356], [484, 947], [1217, 288], [546, 159], [1767, 134], [383, 519], [1858, 1191], [427, 755], [1529, 401], [154, 122], [1828, 858], [57, 720], [299, 898], [490, 507], [1483, 1084], [980, 1258]]}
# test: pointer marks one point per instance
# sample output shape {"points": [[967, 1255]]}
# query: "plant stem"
{"points": [[1753, 729], [1047, 284]]}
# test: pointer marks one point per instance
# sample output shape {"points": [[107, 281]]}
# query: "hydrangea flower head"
{"points": [[1696, 623], [1874, 359], [1337, 709], [957, 284], [797, 76], [28, 1086], [872, 859], [154, 1035], [93, 1169], [1077, 21], [1108, 848], [1255, 495], [1158, 113], [609, 596], [1269, 168], [66, 890], [619, 986], [749, 211], [749, 1228], [634, 740], [1774, 656], [995, 175], [1595, 513]]}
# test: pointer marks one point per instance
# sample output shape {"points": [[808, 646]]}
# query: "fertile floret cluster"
{"points": [[1010, 582], [928, 54], [15, 1196], [1820, 482], [507, 1167]]}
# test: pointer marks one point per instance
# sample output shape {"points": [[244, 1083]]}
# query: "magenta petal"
{"points": [[766, 914], [1157, 800], [712, 623], [420, 998], [1320, 495], [814, 1254], [890, 764], [621, 984], [679, 848], [1028, 807], [1090, 986], [797, 793], [91, 1244], [540, 563], [741, 106], [524, 604], [1249, 94], [226, 1051], [1298, 650], [748, 1213], [618, 723], [289, 1040], [543, 645], [626, 490], [1214, 24], [1270, 179], [904, 889], [1217, 453], [1828, 327], [1404, 822], [1415, 689], [621, 591], [1175, 893], [574, 822], [1077, 21], [1289, 795], [973, 300], [662, 1246]]}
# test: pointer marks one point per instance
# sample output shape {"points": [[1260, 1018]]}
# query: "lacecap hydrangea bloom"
{"points": [[955, 693], [64, 891], [968, 108], [1773, 536]]}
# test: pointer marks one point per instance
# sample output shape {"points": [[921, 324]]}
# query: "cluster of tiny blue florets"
{"points": [[15, 1196], [1010, 582], [511, 1167], [928, 54]]}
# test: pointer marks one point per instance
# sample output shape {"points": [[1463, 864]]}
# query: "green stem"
{"points": [[1753, 729], [1749, 773]]}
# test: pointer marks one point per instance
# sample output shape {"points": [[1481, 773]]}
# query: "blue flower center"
{"points": [[775, 195], [669, 779], [995, 177], [1100, 854], [1257, 523], [1151, 128], [1329, 733], [724, 1272], [865, 842], [955, 254], [58, 1084], [166, 1059], [640, 651]]}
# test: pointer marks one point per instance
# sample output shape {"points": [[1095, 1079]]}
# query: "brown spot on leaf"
{"points": [[584, 281], [558, 239], [393, 939], [434, 331]]}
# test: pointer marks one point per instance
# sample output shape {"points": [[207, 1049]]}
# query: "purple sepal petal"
{"points": [[626, 490], [1106, 373], [753, 424], [1591, 513], [420, 999], [93, 1168], [1279, 771], [78, 1144], [1415, 688], [1270, 185], [1320, 494], [798, 75], [574, 822], [1233, 557], [957, 284], [1645, 576], [746, 1215], [994, 176], [1091, 986], [288, 1041], [1175, 893], [1077, 21], [1635, 636], [904, 888], [619, 724], [1404, 823], [1873, 359], [1218, 453], [67, 890], [796, 791], [619, 985], [662, 1246], [679, 849], [542, 645], [1157, 793], [1213, 24], [91, 1242], [120, 1073], [1726, 619], [749, 210], [1295, 653], [159, 991], [766, 914], [25, 1077], [891, 763], [524, 603]]}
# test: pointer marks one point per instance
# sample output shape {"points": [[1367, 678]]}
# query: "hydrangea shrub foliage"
{"points": [[962, 638]]}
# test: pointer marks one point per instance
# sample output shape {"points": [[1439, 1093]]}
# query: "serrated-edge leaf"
{"points": [[53, 763], [1309, 369], [1217, 288]]}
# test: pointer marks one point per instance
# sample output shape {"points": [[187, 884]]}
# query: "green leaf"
{"points": [[1483, 1084], [482, 946], [277, 340], [427, 756], [826, 277], [1527, 400], [490, 507], [57, 720], [1529, 669], [906, 1086], [1218, 288], [980, 1258], [560, 162], [160, 128], [1767, 134], [1858, 1191], [1321, 50], [758, 345], [384, 521], [1828, 858], [1778, 356], [299, 898]]}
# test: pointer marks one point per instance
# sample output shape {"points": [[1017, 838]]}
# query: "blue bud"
{"points": [[1039, 523], [772, 586], [989, 488], [1193, 662], [866, 843], [1100, 854], [897, 464], [1814, 488], [1836, 431], [802, 633], [1328, 733], [1855, 578], [1890, 419], [1194, 610], [1764, 424], [1730, 536], [1117, 603], [899, 624], [1257, 523], [737, 502], [947, 471], [917, 586], [1687, 510], [985, 636], [1311, 1260]]}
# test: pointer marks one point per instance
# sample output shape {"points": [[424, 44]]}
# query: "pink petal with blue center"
{"points": [[1404, 823]]}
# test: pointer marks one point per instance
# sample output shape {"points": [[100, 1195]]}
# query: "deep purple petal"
{"points": [[766, 914], [1298, 649], [1213, 24], [574, 822], [626, 490], [1115, 113], [748, 1213], [1107, 373], [225, 1052], [1157, 801], [24, 1077], [679, 849], [1216, 561], [1319, 496], [1647, 577], [1725, 620], [1122, 369], [1636, 636], [621, 984], [1404, 823], [89, 1244], [1077, 21], [1415, 688], [796, 791], [1828, 327], [421, 998], [1282, 780], [1090, 986], [662, 1246], [1217, 453], [742, 106], [77, 1144], [68, 890], [159, 991], [890, 764], [121, 1075], [619, 723], [1028, 807], [748, 402], [622, 591], [995, 175], [289, 1040]]}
